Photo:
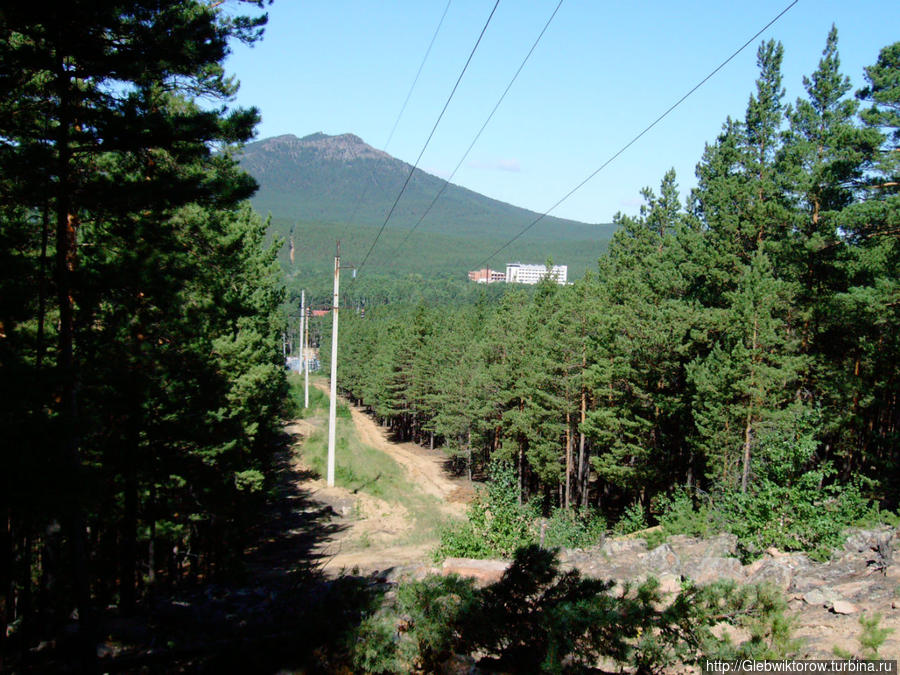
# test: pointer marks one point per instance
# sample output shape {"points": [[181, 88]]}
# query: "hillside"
{"points": [[313, 184]]}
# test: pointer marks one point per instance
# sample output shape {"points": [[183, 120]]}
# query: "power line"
{"points": [[636, 138], [412, 87], [428, 140], [478, 135], [422, 65]]}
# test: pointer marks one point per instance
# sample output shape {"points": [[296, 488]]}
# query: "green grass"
{"points": [[361, 468]]}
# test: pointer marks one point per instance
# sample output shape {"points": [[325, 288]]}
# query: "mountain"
{"points": [[320, 178], [321, 188]]}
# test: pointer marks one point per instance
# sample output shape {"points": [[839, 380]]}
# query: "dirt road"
{"points": [[374, 534]]}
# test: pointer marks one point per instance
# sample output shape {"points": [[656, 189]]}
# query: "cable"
{"points": [[422, 65], [478, 135], [428, 140], [636, 138], [412, 87]]}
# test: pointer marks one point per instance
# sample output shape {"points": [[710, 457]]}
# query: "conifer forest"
{"points": [[741, 333], [735, 354]]}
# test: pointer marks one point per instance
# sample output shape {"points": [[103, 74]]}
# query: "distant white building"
{"points": [[522, 273]]}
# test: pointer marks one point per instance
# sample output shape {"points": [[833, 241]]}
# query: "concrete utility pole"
{"points": [[300, 334], [332, 408], [304, 340]]}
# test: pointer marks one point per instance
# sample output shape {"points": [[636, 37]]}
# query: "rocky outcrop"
{"points": [[825, 599], [484, 572]]}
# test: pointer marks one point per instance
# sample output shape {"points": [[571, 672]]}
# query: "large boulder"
{"points": [[662, 560], [615, 549], [775, 571], [713, 568]]}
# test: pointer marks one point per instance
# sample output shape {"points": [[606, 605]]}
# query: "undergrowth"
{"points": [[537, 618], [497, 524]]}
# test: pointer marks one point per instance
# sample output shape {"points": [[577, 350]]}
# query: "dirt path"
{"points": [[375, 534]]}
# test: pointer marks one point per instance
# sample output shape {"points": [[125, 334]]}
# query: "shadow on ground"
{"points": [[279, 613]]}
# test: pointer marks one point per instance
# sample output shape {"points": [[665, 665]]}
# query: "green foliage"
{"points": [[569, 528], [678, 514], [144, 309], [418, 631], [872, 636], [497, 525], [633, 520], [537, 618]]}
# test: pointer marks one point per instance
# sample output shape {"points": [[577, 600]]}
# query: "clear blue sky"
{"points": [[602, 72]]}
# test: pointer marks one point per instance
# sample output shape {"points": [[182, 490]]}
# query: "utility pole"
{"points": [[332, 409], [304, 346], [300, 334]]}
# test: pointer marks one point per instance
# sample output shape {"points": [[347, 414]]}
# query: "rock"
{"points": [[775, 571], [843, 607], [723, 545], [859, 541], [712, 569], [662, 559], [821, 597], [693, 548], [669, 583], [483, 571], [618, 548]]}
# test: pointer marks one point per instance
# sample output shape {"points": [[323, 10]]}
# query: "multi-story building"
{"points": [[524, 273], [486, 276]]}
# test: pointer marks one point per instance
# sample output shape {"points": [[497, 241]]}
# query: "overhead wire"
{"points": [[638, 136], [478, 135], [428, 140], [412, 87]]}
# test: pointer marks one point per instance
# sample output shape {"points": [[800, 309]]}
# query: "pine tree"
{"points": [[104, 114], [748, 381]]}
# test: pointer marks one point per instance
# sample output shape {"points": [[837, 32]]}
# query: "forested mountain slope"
{"points": [[320, 188]]}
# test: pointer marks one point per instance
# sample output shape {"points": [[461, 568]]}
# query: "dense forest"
{"points": [[743, 338], [140, 355], [737, 347]]}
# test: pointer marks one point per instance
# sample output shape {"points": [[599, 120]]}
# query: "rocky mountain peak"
{"points": [[340, 148]]}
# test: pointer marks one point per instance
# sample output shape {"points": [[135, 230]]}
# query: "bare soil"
{"points": [[375, 534]]}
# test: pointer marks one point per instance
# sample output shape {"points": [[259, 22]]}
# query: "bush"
{"points": [[632, 520], [497, 524], [680, 515], [537, 618], [568, 528], [416, 632]]}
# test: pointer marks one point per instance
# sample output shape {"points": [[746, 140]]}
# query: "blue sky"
{"points": [[602, 72]]}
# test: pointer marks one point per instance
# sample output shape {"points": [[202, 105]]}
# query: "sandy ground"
{"points": [[375, 534]]}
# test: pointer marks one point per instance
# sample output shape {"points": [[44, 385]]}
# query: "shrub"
{"points": [[568, 528], [497, 524], [632, 520], [680, 515], [538, 618], [417, 631]]}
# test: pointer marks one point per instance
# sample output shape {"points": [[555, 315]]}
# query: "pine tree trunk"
{"points": [[748, 426], [73, 514], [748, 435], [521, 472], [568, 497], [129, 541], [7, 577], [469, 453]]}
